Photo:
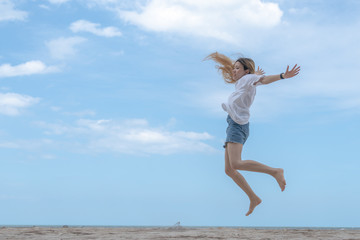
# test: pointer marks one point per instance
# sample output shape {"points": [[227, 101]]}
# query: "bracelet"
{"points": [[281, 76]]}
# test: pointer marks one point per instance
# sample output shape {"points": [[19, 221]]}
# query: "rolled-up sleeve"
{"points": [[254, 80]]}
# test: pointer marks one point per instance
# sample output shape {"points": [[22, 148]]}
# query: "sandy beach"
{"points": [[188, 233]]}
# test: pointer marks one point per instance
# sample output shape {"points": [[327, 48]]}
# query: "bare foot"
{"points": [[253, 203], [279, 176]]}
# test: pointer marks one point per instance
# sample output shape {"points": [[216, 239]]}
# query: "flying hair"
{"points": [[226, 65]]}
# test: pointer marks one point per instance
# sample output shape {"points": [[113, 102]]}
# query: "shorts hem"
{"points": [[225, 144]]}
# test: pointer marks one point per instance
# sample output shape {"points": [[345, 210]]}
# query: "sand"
{"points": [[158, 233]]}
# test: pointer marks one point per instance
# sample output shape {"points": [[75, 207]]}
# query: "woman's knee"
{"points": [[229, 171]]}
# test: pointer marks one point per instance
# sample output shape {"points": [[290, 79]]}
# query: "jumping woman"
{"points": [[243, 75]]}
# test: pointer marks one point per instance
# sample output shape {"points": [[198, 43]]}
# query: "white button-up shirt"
{"points": [[239, 102]]}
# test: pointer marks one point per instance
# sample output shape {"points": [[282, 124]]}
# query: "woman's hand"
{"points": [[259, 71], [292, 73]]}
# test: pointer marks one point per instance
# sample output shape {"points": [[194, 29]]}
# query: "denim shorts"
{"points": [[235, 132]]}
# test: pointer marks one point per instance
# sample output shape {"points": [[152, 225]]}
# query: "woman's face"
{"points": [[239, 71]]}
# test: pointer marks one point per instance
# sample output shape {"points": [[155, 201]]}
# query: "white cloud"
{"points": [[132, 136], [11, 104], [7, 12], [111, 4], [58, 1], [118, 53], [28, 68], [11, 145], [300, 11], [81, 113], [44, 6], [225, 20], [86, 26], [28, 144], [62, 48]]}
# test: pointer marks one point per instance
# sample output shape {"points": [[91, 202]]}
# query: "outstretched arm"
{"points": [[288, 74]]}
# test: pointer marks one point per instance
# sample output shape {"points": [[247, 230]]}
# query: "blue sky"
{"points": [[109, 116]]}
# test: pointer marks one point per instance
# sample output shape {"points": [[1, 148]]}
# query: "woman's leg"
{"points": [[242, 183], [234, 153]]}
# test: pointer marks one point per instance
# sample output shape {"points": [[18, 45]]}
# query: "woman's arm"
{"points": [[288, 74]]}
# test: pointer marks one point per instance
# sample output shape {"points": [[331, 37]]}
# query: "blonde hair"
{"points": [[227, 65]]}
